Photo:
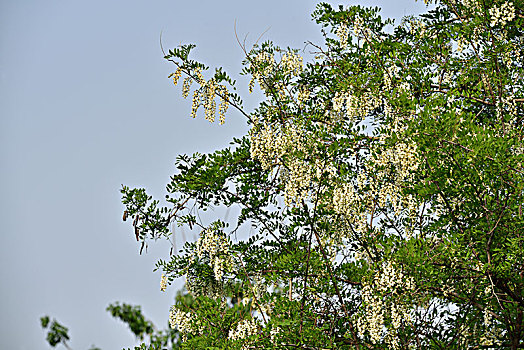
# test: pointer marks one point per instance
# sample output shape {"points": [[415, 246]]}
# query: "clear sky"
{"points": [[85, 106]]}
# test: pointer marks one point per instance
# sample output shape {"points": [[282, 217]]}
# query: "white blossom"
{"points": [[215, 245], [244, 329], [503, 14], [342, 33], [163, 283], [180, 320]]}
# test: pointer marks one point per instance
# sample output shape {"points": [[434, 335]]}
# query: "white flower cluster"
{"points": [[297, 181], [398, 162], [205, 95], [181, 320], [358, 26], [261, 67], [244, 329], [503, 14], [195, 103], [176, 75], [286, 146], [214, 244], [163, 283], [342, 33], [402, 156], [210, 89], [469, 3], [269, 143], [377, 305], [392, 71], [393, 167], [267, 61], [461, 44], [303, 95], [344, 199], [291, 63], [382, 179], [374, 321], [389, 278], [264, 65], [325, 168], [510, 105], [356, 106], [518, 150], [487, 317], [186, 86]]}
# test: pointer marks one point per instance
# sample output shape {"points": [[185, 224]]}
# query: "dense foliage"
{"points": [[380, 189]]}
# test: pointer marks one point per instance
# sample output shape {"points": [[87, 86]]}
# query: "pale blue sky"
{"points": [[85, 106]]}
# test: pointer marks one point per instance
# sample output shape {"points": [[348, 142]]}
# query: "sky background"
{"points": [[85, 106]]}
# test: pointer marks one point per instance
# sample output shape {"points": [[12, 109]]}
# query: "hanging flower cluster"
{"points": [[381, 301], [342, 33], [205, 95], [213, 246], [244, 329], [163, 283], [181, 320], [500, 16], [291, 63]]}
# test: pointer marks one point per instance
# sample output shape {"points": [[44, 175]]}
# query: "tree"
{"points": [[380, 189], [133, 317]]}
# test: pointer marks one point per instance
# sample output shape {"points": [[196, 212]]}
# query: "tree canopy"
{"points": [[380, 188]]}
